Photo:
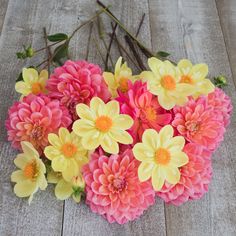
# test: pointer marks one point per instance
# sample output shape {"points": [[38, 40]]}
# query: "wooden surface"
{"points": [[202, 30]]}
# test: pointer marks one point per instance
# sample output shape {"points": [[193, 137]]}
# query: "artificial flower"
{"points": [[195, 177], [195, 75], [33, 82], [65, 189], [113, 189], [144, 108], [221, 104], [161, 155], [199, 123], [164, 81], [66, 153], [119, 80], [33, 118], [31, 176], [77, 82], [101, 124]]}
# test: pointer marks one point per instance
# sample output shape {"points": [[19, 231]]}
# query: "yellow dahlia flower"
{"points": [[32, 82], [101, 124], [31, 176], [164, 81], [195, 75], [161, 155], [118, 80], [65, 189], [66, 153]]}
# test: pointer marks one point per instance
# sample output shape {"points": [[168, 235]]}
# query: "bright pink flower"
{"points": [[195, 177], [144, 108], [77, 82], [113, 189], [33, 118], [221, 104], [199, 123]]}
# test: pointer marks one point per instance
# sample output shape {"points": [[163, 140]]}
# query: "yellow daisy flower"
{"points": [[163, 80], [66, 153], [32, 82], [65, 189], [101, 124], [195, 75], [118, 80], [160, 155], [31, 176]]}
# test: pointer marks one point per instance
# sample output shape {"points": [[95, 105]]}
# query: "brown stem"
{"points": [[99, 50], [134, 50], [41, 49], [109, 46], [89, 39], [47, 48], [140, 25]]}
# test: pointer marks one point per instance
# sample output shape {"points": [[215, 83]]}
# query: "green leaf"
{"points": [[162, 54], [61, 52], [20, 77], [57, 37]]}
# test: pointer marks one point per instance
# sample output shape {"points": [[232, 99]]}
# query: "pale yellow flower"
{"points": [[164, 81], [66, 153], [65, 189], [101, 124], [119, 80], [31, 176], [195, 75], [32, 82], [161, 155]]}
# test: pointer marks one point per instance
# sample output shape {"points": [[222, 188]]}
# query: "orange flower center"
{"points": [[36, 88], [150, 113], [119, 184], [192, 126], [69, 150], [30, 170], [37, 132], [123, 84], [168, 82], [162, 156], [186, 79], [103, 123]]}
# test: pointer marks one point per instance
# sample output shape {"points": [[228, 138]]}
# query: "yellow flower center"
{"points": [[123, 84], [150, 113], [186, 79], [30, 170], [69, 150], [168, 82], [162, 156], [36, 88], [103, 123]]}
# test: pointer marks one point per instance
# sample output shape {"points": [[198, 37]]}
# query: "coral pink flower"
{"points": [[199, 123], [195, 177], [113, 189], [77, 82], [144, 108], [221, 104], [34, 118]]}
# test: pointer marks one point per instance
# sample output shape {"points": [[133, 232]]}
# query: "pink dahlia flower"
{"points": [[113, 189], [144, 108], [194, 180], [199, 123], [33, 118], [221, 104], [77, 82]]}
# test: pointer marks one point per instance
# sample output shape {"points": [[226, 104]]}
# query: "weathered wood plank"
{"points": [[3, 9], [192, 29], [23, 25], [227, 15], [78, 219]]}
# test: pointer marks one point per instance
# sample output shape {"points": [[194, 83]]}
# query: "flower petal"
{"points": [[29, 149], [123, 122], [121, 136], [84, 112], [179, 158], [18, 176], [157, 179], [142, 152], [166, 133], [172, 175], [145, 171], [54, 140], [25, 188], [63, 190], [151, 139], [109, 145], [51, 152]]}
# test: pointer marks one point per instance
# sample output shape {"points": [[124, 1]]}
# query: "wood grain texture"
{"points": [[227, 14], [3, 9], [78, 218], [192, 29]]}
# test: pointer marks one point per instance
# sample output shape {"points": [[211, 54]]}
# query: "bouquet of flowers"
{"points": [[116, 139]]}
